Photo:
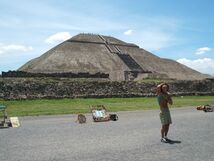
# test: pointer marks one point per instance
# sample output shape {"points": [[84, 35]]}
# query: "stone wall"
{"points": [[33, 88], [57, 75]]}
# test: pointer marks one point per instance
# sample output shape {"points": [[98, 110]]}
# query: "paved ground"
{"points": [[134, 137]]}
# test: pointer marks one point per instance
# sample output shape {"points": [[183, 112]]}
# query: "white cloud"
{"points": [[156, 40], [58, 37], [201, 51], [151, 39], [14, 48], [128, 32], [205, 65], [154, 33]]}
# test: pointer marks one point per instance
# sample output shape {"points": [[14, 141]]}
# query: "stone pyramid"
{"points": [[90, 53]]}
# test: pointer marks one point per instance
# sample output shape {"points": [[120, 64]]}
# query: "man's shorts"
{"points": [[165, 116]]}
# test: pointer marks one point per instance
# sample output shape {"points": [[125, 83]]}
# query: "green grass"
{"points": [[71, 106]]}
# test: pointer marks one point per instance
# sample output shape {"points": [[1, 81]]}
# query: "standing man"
{"points": [[164, 99]]}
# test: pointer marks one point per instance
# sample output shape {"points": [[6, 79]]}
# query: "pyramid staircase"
{"points": [[125, 57], [130, 62]]}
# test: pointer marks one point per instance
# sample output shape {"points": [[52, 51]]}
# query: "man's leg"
{"points": [[166, 130], [162, 131]]}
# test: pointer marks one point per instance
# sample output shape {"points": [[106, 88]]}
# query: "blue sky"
{"points": [[180, 30]]}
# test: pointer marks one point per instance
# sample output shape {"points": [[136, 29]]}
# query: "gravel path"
{"points": [[134, 137]]}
